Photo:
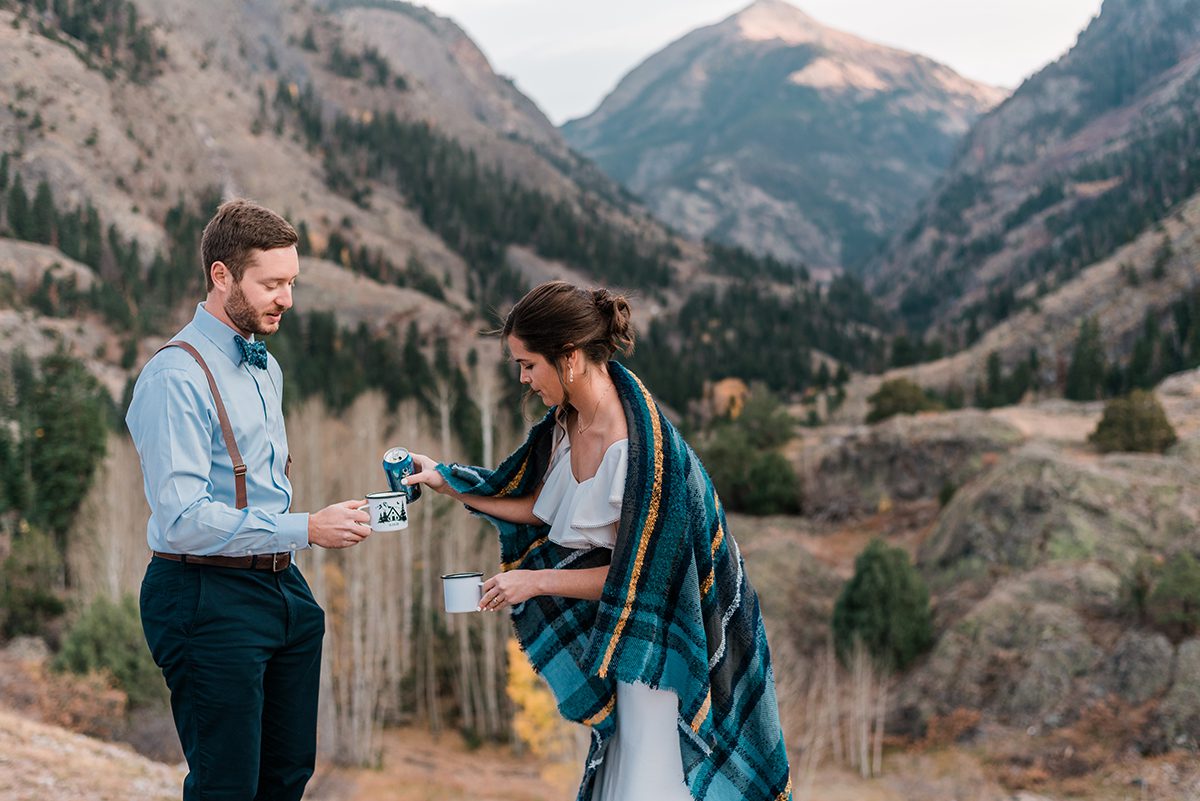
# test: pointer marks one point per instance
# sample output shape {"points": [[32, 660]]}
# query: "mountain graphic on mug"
{"points": [[390, 514]]}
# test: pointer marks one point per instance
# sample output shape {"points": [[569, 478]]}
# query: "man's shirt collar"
{"points": [[218, 333]]}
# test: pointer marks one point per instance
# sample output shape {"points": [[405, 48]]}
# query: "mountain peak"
{"points": [[778, 19], [817, 158]]}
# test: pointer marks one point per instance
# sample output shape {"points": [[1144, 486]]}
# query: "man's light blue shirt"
{"points": [[186, 469]]}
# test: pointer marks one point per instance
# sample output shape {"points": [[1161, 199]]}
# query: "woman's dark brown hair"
{"points": [[556, 317]]}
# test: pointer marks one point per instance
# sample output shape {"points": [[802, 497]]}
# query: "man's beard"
{"points": [[242, 314]]}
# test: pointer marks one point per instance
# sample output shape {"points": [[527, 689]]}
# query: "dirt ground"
{"points": [[417, 767], [39, 762]]}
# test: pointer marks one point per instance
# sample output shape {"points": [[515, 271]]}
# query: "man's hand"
{"points": [[339, 525]]}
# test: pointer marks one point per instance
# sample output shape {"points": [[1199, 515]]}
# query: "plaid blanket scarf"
{"points": [[677, 611]]}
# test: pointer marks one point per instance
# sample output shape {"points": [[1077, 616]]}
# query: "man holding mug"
{"points": [[225, 611]]}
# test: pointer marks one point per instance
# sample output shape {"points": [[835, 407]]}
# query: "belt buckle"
{"points": [[275, 568]]}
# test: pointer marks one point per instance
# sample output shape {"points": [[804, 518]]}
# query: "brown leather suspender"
{"points": [[235, 456]]}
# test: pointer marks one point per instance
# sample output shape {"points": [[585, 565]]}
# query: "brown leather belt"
{"points": [[275, 562]]}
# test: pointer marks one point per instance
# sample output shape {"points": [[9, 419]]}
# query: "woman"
{"points": [[627, 592]]}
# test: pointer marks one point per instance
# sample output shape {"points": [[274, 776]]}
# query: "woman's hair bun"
{"points": [[614, 309]]}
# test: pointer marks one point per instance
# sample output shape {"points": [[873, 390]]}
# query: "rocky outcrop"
{"points": [[1030, 564], [905, 458], [1042, 505], [1018, 652], [1180, 711], [1139, 667]]}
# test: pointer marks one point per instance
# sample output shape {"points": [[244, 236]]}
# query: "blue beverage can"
{"points": [[397, 465]]}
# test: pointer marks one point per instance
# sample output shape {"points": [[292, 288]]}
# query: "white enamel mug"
{"points": [[389, 510], [462, 591]]}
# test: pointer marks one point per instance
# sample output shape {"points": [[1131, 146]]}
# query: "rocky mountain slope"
{"points": [[773, 132], [1093, 152], [428, 190], [1140, 295]]}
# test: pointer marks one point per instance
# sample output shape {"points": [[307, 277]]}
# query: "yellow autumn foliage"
{"points": [[536, 721]]}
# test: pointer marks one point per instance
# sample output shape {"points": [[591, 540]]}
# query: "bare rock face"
{"points": [[1041, 505], [773, 132], [1029, 563], [1179, 713], [905, 458], [1139, 667], [1016, 654]]}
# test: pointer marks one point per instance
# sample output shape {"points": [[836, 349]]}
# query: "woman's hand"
{"points": [[509, 589], [425, 472]]}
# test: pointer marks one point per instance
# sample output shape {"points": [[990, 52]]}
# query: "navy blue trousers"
{"points": [[241, 654]]}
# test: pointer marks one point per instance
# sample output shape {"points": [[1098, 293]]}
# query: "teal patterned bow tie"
{"points": [[253, 352]]}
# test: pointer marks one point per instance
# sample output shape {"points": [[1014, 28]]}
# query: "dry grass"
{"points": [[85, 704], [39, 762]]}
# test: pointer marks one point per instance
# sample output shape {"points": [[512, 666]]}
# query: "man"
{"points": [[226, 613]]}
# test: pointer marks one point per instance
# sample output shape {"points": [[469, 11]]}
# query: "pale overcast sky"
{"points": [[568, 54]]}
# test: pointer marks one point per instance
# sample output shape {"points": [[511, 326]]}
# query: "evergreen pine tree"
{"points": [[92, 248], [19, 218], [885, 605], [904, 352], [1143, 368], [1085, 376], [823, 377], [303, 242], [69, 412], [1136, 422], [994, 394], [70, 234], [43, 216], [309, 41], [1162, 257]]}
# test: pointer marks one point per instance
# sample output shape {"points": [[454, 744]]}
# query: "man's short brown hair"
{"points": [[238, 228]]}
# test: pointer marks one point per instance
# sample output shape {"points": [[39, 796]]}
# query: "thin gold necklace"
{"points": [[579, 427]]}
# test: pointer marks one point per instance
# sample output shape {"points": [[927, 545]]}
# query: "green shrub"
{"points": [[741, 456], [108, 637], [885, 605], [1135, 422], [750, 480], [30, 574], [770, 487], [1173, 606], [899, 396], [764, 421]]}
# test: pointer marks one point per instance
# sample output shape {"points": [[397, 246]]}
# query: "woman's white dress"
{"points": [[642, 762]]}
